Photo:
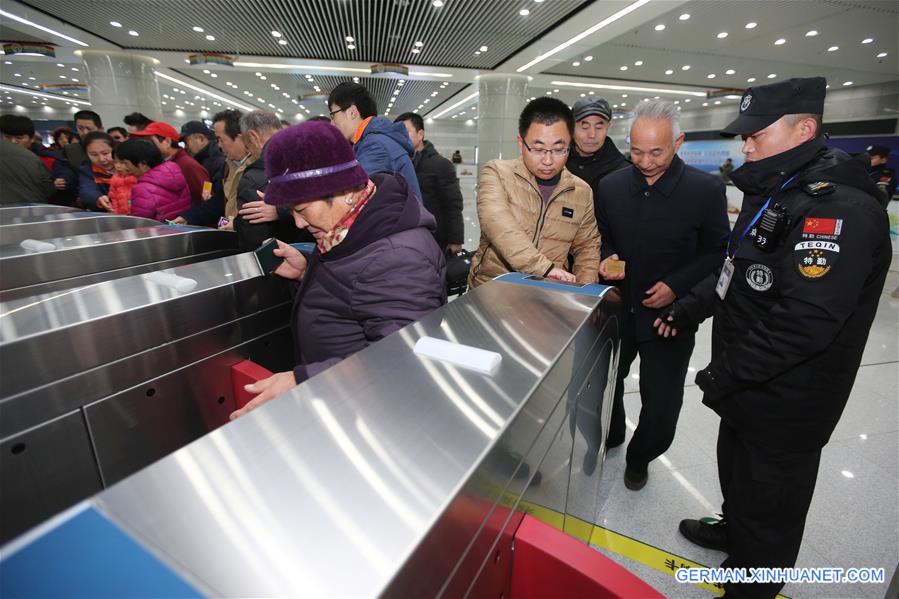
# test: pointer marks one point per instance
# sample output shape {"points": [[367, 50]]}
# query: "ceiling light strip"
{"points": [[41, 27], [629, 88], [607, 21], [16, 90], [456, 105], [309, 67], [202, 91]]}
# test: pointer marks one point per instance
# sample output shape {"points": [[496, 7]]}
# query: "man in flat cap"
{"points": [[792, 308], [593, 154], [883, 175]]}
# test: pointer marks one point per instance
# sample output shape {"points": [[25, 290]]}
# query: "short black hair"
{"points": [[349, 94], [231, 118], [97, 136], [320, 119], [121, 130], [418, 123], [545, 111], [60, 131], [138, 151], [88, 115], [16, 124], [137, 120]]}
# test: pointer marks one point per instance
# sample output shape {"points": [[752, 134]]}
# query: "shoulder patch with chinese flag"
{"points": [[822, 226]]}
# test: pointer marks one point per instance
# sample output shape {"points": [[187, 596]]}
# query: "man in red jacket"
{"points": [[166, 138]]}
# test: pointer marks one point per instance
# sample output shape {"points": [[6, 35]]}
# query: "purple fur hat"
{"points": [[309, 161]]}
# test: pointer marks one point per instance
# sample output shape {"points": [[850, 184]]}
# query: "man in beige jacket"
{"points": [[533, 213]]}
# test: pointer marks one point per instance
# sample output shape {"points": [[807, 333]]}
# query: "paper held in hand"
{"points": [[615, 267]]}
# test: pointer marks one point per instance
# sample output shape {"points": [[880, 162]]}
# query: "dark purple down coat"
{"points": [[386, 273]]}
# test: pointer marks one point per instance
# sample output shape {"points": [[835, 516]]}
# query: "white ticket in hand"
{"points": [[463, 356]]}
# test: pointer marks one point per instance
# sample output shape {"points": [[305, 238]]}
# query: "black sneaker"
{"points": [[710, 533], [635, 478]]}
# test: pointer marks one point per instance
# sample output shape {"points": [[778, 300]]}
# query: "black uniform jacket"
{"points": [[251, 236], [788, 338], [673, 231], [885, 179], [440, 194], [593, 168]]}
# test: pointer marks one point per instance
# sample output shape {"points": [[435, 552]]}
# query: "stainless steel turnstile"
{"points": [[389, 474], [16, 229], [102, 380], [69, 262], [10, 211]]}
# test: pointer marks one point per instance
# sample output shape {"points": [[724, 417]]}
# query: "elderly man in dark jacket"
{"points": [[593, 154], [668, 223], [439, 185], [375, 267]]}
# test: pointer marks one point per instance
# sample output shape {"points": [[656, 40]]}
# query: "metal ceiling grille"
{"points": [[383, 30]]}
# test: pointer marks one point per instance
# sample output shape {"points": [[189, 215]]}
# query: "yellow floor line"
{"points": [[638, 551]]}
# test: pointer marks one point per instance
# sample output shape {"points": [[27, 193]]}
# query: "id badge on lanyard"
{"points": [[727, 273]]}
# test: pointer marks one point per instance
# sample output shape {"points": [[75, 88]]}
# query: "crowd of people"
{"points": [[792, 290]]}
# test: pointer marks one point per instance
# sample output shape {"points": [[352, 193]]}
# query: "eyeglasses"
{"points": [[556, 152], [333, 112]]}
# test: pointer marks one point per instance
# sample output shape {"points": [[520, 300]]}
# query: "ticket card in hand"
{"points": [[615, 267]]}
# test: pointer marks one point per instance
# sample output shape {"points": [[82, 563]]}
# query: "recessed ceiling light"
{"points": [[847, 83], [780, 42], [772, 75], [669, 72], [276, 34], [263, 77], [867, 40], [833, 48], [524, 12], [660, 27], [419, 44], [684, 16], [211, 38], [686, 67], [115, 23], [483, 48], [206, 71], [638, 63], [622, 95], [198, 29], [710, 76], [75, 69], [477, 52], [437, 3], [688, 100], [282, 42], [133, 33], [751, 25], [349, 47], [588, 58], [623, 67], [811, 33], [415, 50], [717, 102], [722, 35], [750, 80], [882, 55], [729, 72], [576, 64]]}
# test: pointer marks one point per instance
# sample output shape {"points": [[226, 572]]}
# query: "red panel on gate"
{"points": [[244, 373], [549, 563]]}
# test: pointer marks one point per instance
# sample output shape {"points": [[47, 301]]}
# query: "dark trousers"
{"points": [[663, 367], [767, 494]]}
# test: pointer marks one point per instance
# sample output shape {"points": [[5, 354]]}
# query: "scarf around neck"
{"points": [[333, 237]]}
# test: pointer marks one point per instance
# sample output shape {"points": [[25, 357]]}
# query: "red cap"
{"points": [[159, 128]]}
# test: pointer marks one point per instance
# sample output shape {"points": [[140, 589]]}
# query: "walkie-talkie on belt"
{"points": [[771, 228]]}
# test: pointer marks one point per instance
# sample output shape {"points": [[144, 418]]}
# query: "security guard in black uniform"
{"points": [[883, 175], [792, 306]]}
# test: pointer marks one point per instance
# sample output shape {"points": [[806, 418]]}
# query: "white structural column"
{"points": [[120, 83], [501, 98]]}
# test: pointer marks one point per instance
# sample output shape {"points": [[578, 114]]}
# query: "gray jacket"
{"points": [[23, 177]]}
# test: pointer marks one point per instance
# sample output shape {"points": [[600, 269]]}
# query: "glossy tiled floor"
{"points": [[853, 520]]}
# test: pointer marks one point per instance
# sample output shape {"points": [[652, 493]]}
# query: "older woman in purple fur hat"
{"points": [[376, 266]]}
